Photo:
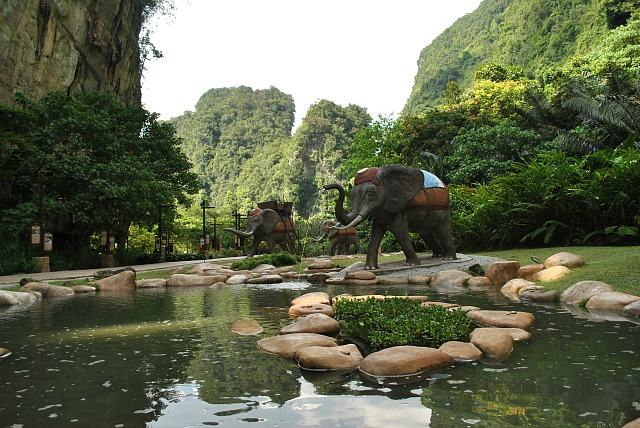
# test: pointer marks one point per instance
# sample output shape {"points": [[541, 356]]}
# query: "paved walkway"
{"points": [[12, 280]]}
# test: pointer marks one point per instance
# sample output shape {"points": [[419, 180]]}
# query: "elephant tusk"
{"points": [[318, 239], [238, 232], [354, 223]]}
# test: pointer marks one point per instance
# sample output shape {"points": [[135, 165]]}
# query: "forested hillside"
{"points": [[240, 143], [532, 34]]}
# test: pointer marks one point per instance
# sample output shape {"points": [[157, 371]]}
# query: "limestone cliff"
{"points": [[79, 45]]}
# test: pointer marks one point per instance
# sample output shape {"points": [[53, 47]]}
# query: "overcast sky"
{"points": [[360, 52]]}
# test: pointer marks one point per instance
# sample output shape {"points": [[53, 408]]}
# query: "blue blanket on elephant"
{"points": [[431, 180]]}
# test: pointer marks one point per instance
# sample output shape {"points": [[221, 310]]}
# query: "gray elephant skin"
{"points": [[267, 225], [397, 199], [340, 241]]}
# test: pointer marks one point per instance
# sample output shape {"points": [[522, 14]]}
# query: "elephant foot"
{"points": [[450, 258], [370, 267], [412, 263]]}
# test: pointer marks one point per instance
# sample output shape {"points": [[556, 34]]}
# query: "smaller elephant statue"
{"points": [[340, 241], [267, 225]]}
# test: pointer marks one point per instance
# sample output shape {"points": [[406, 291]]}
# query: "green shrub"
{"points": [[395, 321], [278, 259]]}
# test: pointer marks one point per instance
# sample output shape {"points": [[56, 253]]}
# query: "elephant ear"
{"points": [[271, 218], [401, 183]]}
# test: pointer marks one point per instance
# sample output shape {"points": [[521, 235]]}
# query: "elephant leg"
{"points": [[332, 247], [377, 233], [443, 235], [402, 236], [254, 247], [433, 244], [356, 243], [271, 242]]}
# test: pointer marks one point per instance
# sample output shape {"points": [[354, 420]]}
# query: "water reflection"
{"points": [[166, 358]]}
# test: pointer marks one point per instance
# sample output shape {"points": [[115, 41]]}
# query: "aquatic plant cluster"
{"points": [[384, 323], [279, 259]]}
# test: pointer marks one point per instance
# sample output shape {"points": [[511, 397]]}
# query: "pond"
{"points": [[166, 358]]}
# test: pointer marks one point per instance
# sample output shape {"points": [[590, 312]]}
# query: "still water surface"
{"points": [[166, 358]]}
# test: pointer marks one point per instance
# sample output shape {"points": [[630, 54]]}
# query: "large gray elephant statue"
{"points": [[399, 199], [267, 225], [340, 241]]}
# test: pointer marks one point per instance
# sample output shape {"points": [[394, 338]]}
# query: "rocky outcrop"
{"points": [[125, 280], [77, 46]]}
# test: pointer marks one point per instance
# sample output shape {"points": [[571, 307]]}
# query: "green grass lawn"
{"points": [[616, 266]]}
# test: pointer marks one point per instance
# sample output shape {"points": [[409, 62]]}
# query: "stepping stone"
{"points": [[502, 318], [362, 274], [403, 360], [463, 352], [495, 343], [246, 327], [345, 357], [312, 298], [287, 345], [312, 323], [307, 309]]}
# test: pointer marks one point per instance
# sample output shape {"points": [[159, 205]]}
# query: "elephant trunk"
{"points": [[341, 215], [356, 221], [238, 232], [319, 238]]}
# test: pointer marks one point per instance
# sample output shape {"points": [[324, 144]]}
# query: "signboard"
{"points": [[35, 234], [48, 241], [157, 243], [164, 238], [207, 239], [103, 238], [112, 244]]}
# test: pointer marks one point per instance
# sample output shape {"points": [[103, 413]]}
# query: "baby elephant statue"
{"points": [[340, 241], [267, 225], [399, 199]]}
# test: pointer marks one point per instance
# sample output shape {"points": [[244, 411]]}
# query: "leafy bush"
{"points": [[395, 321], [278, 259]]}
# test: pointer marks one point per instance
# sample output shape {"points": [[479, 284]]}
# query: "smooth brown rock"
{"points": [[502, 318], [319, 278], [17, 297], [633, 424], [236, 279], [501, 272], [551, 273], [566, 259], [312, 298], [49, 290], [204, 267], [265, 279], [79, 289], [611, 300], [151, 283], [450, 277], [246, 327], [306, 309], [217, 277], [287, 345], [514, 285], [4, 352], [321, 265], [403, 360], [479, 281], [467, 308], [495, 343], [344, 281], [527, 271], [361, 274], [263, 268], [527, 288], [186, 280], [313, 323], [461, 351], [582, 291], [345, 357], [281, 270], [536, 295], [419, 279], [632, 309]]}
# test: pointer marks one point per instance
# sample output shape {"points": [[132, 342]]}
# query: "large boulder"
{"points": [[237, 279], [312, 298], [632, 309], [463, 352], [527, 271], [501, 272], [582, 291], [246, 327], [345, 357], [502, 318], [151, 283], [204, 269], [403, 361], [80, 289], [17, 297], [513, 286], [360, 274], [125, 280], [569, 260], [265, 279], [479, 282], [419, 279], [450, 277], [313, 323], [287, 345], [538, 295], [321, 265], [49, 290], [611, 300], [551, 274], [186, 280], [318, 278], [495, 343]]}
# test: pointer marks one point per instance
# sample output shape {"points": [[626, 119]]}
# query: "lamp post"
{"points": [[205, 243], [160, 235]]}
